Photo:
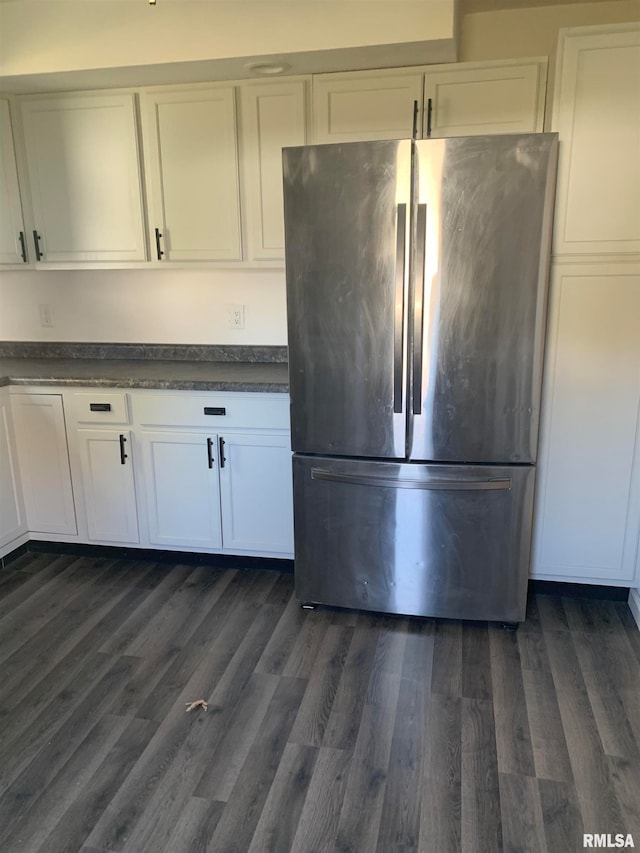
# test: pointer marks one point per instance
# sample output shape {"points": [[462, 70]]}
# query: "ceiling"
{"points": [[469, 6], [466, 6]]}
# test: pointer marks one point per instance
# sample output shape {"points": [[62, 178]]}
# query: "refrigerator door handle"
{"points": [[403, 483], [418, 310], [398, 315]]}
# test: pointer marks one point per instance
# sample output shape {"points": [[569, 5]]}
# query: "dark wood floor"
{"points": [[326, 730]]}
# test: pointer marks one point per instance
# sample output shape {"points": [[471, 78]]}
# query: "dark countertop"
{"points": [[139, 373]]}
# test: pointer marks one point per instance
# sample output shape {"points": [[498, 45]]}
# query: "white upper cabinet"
{"points": [[12, 236], [468, 99], [597, 115], [453, 100], [358, 105], [84, 178], [192, 174], [273, 116]]}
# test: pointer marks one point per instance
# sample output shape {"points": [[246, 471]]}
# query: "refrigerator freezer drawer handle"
{"points": [[398, 315], [401, 483]]}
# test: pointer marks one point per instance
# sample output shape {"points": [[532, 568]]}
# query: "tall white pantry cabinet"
{"points": [[587, 521]]}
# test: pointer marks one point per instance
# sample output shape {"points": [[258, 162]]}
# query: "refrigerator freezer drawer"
{"points": [[447, 541]]}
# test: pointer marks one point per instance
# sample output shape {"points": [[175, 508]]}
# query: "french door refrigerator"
{"points": [[416, 296]]}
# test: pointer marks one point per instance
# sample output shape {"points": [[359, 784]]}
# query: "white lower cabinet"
{"points": [[12, 516], [207, 472], [215, 470], [43, 460], [182, 489], [256, 489], [588, 493], [108, 485]]}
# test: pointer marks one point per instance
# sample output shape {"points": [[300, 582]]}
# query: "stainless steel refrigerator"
{"points": [[416, 296]]}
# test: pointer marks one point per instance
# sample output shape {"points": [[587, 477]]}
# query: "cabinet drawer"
{"points": [[214, 411], [98, 407]]}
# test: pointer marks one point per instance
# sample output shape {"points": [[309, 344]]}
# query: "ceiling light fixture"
{"points": [[267, 69]]}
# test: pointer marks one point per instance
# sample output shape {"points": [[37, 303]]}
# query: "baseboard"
{"points": [[634, 605], [580, 590], [13, 555], [222, 561]]}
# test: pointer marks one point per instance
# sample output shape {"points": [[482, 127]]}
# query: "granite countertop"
{"points": [[145, 369]]}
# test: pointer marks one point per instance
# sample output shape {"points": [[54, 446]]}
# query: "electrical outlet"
{"points": [[46, 315], [235, 316]]}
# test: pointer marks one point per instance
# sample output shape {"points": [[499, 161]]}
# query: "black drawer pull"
{"points": [[215, 410], [100, 407]]}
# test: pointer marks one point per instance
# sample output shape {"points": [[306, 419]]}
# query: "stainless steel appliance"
{"points": [[416, 295]]}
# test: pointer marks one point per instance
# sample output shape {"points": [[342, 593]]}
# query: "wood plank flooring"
{"points": [[326, 730]]}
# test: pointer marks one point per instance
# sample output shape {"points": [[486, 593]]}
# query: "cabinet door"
{"points": [[588, 494], [256, 490], [192, 174], [11, 224], [470, 99], [182, 489], [12, 516], [366, 105], [597, 114], [108, 486], [273, 116], [84, 177], [43, 459]]}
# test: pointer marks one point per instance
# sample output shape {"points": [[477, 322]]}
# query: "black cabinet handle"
{"points": [[414, 133], [123, 455], [215, 410], [210, 452], [221, 451], [159, 251], [36, 243], [23, 247], [429, 114], [99, 407]]}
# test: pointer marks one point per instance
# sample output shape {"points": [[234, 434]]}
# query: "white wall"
{"points": [[150, 306], [534, 31], [44, 36]]}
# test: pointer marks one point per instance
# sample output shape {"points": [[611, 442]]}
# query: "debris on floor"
{"points": [[199, 703]]}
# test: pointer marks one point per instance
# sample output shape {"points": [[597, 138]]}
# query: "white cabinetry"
{"points": [[216, 471], [182, 489], [273, 115], [453, 100], [192, 173], [12, 516], [44, 462], [12, 236], [84, 177], [255, 482], [587, 521], [588, 492], [597, 114], [475, 98], [108, 485], [362, 105], [103, 469]]}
